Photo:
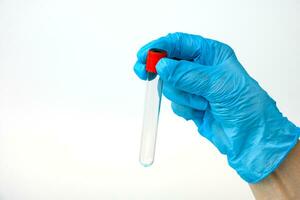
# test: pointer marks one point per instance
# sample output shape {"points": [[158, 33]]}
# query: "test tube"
{"points": [[151, 108]]}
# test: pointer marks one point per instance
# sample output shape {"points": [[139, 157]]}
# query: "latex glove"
{"points": [[210, 87]]}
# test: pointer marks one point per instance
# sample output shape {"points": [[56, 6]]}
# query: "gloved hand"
{"points": [[209, 86]]}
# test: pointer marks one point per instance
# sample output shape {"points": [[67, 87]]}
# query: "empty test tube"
{"points": [[151, 107]]}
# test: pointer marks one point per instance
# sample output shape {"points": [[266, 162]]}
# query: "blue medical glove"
{"points": [[209, 86]]}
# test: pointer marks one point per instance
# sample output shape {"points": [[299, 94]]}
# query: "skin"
{"points": [[284, 182]]}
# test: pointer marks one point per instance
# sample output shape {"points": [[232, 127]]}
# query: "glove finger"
{"points": [[188, 76], [183, 98], [140, 70], [186, 112], [178, 45]]}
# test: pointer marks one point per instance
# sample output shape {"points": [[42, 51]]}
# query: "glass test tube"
{"points": [[151, 117], [151, 109]]}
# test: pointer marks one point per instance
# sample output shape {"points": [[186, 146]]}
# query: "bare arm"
{"points": [[282, 184]]}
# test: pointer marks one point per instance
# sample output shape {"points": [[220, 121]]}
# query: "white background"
{"points": [[71, 106]]}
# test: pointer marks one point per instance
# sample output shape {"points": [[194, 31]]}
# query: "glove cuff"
{"points": [[265, 158]]}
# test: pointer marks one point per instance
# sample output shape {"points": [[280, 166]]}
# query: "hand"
{"points": [[209, 86]]}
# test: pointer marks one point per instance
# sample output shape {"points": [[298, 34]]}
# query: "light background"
{"points": [[71, 106]]}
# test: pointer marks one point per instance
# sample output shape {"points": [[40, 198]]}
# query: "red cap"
{"points": [[154, 55]]}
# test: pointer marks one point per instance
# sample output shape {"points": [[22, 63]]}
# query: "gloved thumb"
{"points": [[187, 76]]}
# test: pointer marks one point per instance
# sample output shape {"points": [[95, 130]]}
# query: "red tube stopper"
{"points": [[154, 55]]}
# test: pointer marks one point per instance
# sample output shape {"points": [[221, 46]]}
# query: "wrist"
{"points": [[284, 182]]}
